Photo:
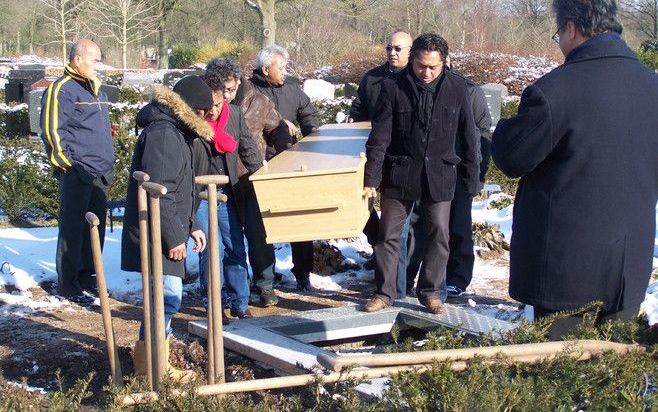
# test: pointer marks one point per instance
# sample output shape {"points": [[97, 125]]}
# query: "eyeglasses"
{"points": [[556, 36], [397, 49]]}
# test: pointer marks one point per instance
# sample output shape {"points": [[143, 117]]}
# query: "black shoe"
{"points": [[82, 299], [268, 298], [370, 263], [241, 314], [93, 290], [455, 291], [278, 276], [305, 286]]}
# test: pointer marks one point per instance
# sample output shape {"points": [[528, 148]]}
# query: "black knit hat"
{"points": [[194, 91]]}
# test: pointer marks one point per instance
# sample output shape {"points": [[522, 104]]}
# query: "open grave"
{"points": [[291, 343]]}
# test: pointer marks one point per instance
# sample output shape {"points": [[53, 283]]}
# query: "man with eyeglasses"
{"points": [[363, 109], [585, 145]]}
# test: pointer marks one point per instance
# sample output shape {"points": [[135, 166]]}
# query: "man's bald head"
{"points": [[397, 49], [83, 58]]}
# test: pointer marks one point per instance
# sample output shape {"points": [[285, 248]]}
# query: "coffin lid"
{"points": [[334, 149]]}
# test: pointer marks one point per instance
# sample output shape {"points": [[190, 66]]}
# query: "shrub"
{"points": [[124, 145], [182, 56], [494, 174], [327, 109], [28, 188], [648, 53], [14, 123], [221, 48]]}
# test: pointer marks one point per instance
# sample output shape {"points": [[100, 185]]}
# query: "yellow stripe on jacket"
{"points": [[57, 157]]}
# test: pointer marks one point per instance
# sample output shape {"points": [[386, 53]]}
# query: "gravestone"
{"points": [[112, 93], [317, 89], [34, 111], [494, 94], [140, 80], [20, 82], [172, 77]]}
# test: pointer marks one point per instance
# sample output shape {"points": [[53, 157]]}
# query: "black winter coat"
{"points": [[364, 104], [585, 143], [397, 150], [205, 155], [164, 152], [290, 101]]}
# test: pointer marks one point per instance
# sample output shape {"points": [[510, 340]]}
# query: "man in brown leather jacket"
{"points": [[271, 135]]}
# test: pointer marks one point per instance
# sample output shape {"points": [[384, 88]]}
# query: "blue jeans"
{"points": [[232, 254], [402, 261], [173, 295]]}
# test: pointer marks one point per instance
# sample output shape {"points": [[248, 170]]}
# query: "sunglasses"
{"points": [[398, 49]]}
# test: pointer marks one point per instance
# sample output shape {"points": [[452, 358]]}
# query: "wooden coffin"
{"points": [[314, 190]]}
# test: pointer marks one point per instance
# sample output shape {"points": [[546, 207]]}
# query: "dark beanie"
{"points": [[194, 91]]}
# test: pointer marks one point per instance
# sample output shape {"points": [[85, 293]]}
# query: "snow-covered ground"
{"points": [[28, 258]]}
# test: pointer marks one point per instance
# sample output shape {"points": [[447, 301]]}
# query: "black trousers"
{"points": [[261, 255], [302, 260], [459, 270], [387, 250], [565, 326], [79, 192]]}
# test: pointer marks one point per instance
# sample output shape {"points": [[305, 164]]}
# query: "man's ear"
{"points": [[570, 30], [265, 71]]}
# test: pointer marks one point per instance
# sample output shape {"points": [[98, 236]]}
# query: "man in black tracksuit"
{"points": [[293, 104], [76, 131], [423, 115]]}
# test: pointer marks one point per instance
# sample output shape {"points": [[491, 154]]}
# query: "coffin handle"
{"points": [[306, 208]]}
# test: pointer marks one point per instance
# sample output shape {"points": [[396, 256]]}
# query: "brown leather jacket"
{"points": [[263, 121]]}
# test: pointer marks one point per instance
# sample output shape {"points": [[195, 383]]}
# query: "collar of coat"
{"points": [[166, 97], [608, 44], [93, 85]]}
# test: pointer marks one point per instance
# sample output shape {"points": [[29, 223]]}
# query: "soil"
{"points": [[34, 345]]}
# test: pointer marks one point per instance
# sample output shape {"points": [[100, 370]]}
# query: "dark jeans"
{"points": [[564, 326], [387, 250], [79, 192], [302, 260], [261, 255]]}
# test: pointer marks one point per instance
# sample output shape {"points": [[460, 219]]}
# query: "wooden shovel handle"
{"points": [[221, 197], [218, 180], [92, 219], [154, 189], [141, 176]]}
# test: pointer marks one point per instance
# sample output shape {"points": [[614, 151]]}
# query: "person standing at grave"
{"points": [[459, 270], [424, 116], [269, 78], [585, 145], [76, 131], [220, 157], [171, 121], [270, 132], [363, 109]]}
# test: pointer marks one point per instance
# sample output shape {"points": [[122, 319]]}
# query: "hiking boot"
{"points": [[454, 291], [375, 304], [241, 314], [434, 305], [83, 299], [369, 264], [268, 298], [304, 286]]}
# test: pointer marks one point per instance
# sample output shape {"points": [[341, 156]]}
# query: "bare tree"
{"points": [[62, 16], [267, 13], [124, 21], [533, 12], [643, 15]]}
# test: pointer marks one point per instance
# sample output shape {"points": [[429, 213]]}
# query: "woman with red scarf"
{"points": [[219, 157]]}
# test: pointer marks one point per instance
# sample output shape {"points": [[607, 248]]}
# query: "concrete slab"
{"points": [[284, 342]]}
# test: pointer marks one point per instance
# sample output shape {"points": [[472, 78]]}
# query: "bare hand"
{"points": [[369, 192], [178, 253], [199, 240], [292, 128]]}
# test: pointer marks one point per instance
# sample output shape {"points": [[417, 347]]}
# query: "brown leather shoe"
{"points": [[434, 305], [375, 304]]}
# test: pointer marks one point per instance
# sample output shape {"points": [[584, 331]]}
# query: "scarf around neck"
{"points": [[224, 142]]}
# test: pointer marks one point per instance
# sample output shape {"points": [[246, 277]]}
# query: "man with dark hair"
{"points": [[76, 131], [424, 114], [270, 132], [269, 78], [219, 156], [585, 145]]}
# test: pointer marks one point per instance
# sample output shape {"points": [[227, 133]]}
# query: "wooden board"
{"points": [[314, 190]]}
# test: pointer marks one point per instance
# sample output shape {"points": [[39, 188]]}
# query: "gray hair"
{"points": [[591, 17], [80, 47], [225, 67], [264, 57]]}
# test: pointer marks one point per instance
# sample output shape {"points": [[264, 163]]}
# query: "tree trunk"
{"points": [[268, 22], [62, 31], [163, 56], [18, 43]]}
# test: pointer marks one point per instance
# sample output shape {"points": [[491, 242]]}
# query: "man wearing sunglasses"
{"points": [[585, 144]]}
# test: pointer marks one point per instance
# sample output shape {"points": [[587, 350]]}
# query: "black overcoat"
{"points": [[397, 149], [164, 152], [585, 144]]}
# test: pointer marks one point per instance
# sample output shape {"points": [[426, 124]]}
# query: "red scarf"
{"points": [[224, 142]]}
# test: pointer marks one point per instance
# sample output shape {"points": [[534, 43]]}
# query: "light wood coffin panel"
{"points": [[314, 190]]}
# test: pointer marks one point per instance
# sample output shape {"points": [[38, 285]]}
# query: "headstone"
{"points": [[317, 89], [34, 111], [140, 80], [494, 94], [21, 81], [172, 77], [112, 93]]}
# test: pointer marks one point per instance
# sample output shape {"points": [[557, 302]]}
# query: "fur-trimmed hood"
{"points": [[167, 105]]}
